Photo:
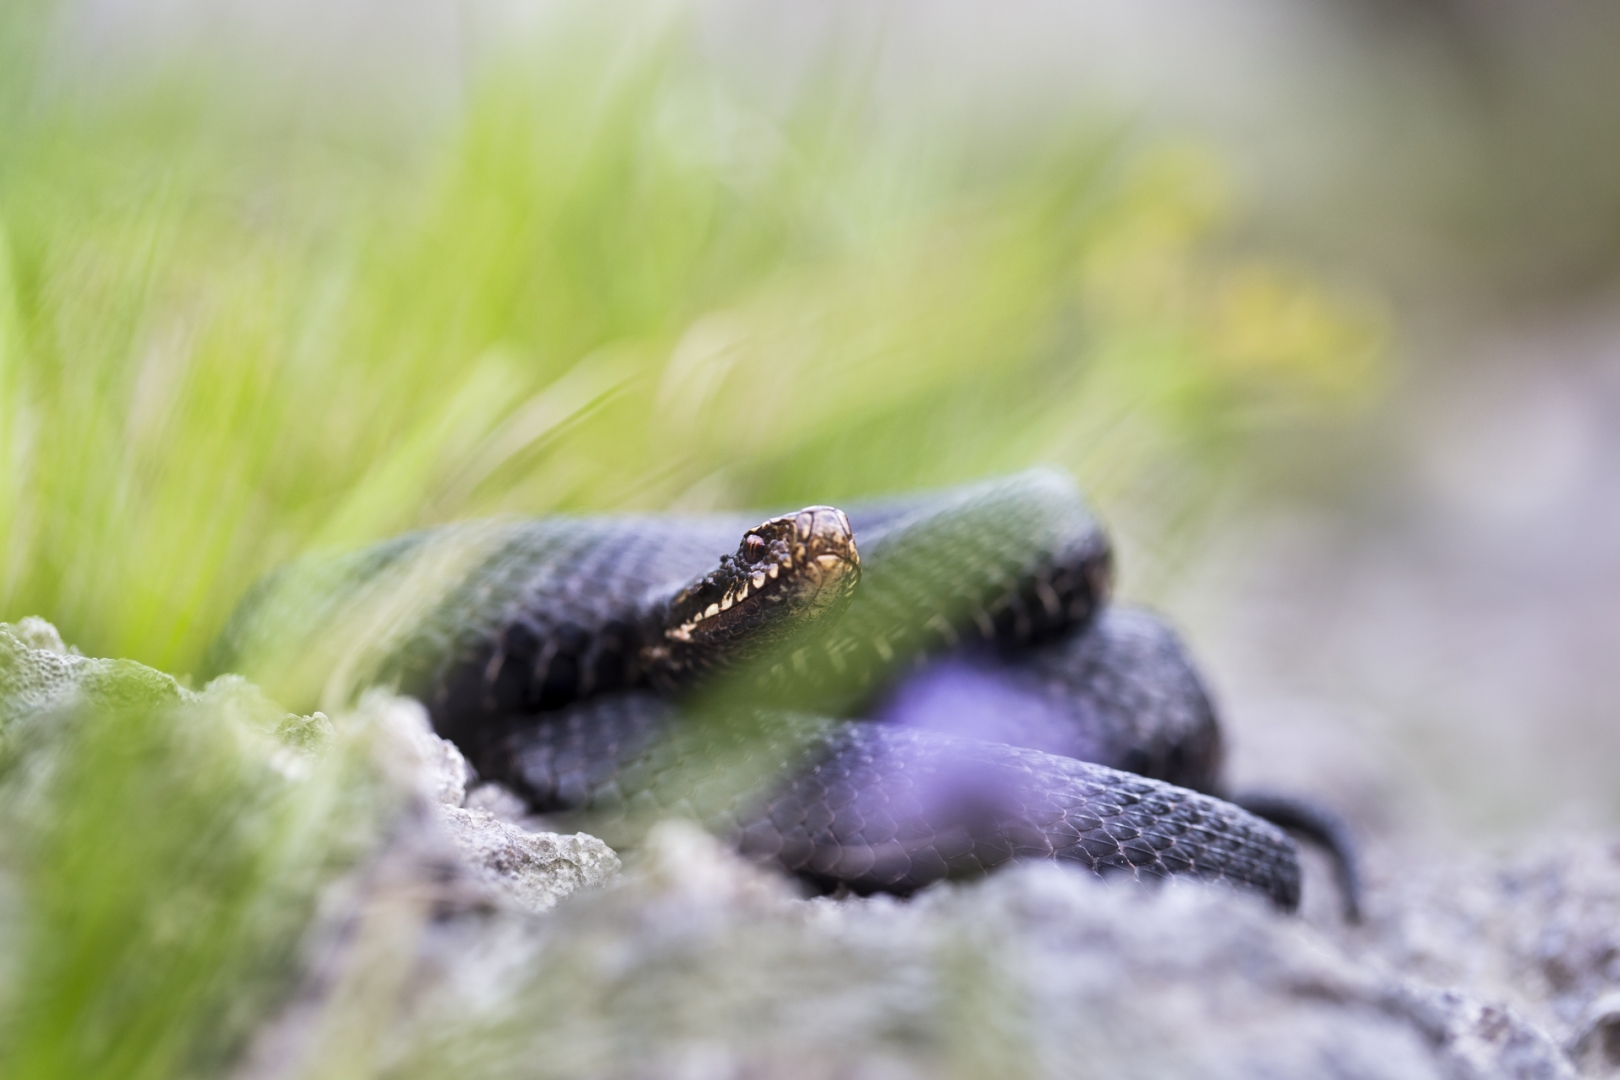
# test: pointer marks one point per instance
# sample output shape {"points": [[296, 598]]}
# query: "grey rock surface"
{"points": [[1539, 930], [466, 943], [39, 673], [533, 869], [529, 868], [700, 965], [36, 669]]}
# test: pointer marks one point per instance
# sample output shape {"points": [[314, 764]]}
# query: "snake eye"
{"points": [[754, 548]]}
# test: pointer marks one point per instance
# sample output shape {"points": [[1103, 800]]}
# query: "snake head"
{"points": [[788, 576]]}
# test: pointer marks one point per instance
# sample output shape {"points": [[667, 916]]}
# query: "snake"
{"points": [[873, 700]]}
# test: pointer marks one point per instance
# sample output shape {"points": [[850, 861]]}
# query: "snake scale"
{"points": [[917, 690]]}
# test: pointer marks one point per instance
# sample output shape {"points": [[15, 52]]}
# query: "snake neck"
{"points": [[788, 577]]}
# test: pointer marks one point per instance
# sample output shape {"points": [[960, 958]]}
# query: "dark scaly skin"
{"points": [[1124, 692], [572, 608], [533, 615], [1121, 691], [788, 576], [1009, 563], [552, 621], [1003, 564], [529, 616], [874, 807], [1311, 821]]}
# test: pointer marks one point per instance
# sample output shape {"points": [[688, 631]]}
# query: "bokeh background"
{"points": [[1317, 301], [1313, 299]]}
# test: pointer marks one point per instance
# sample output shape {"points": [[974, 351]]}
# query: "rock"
{"points": [[40, 675], [1540, 931], [36, 633], [431, 765], [534, 869], [35, 669], [363, 812], [702, 965], [498, 800], [461, 942]]}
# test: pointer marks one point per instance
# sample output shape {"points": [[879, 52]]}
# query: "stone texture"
{"points": [[533, 869], [464, 943], [431, 765], [701, 965], [1539, 930], [35, 669]]}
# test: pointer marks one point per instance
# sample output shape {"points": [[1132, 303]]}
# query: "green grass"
{"points": [[230, 333], [226, 337]]}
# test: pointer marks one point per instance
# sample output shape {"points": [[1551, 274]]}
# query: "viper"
{"points": [[914, 690]]}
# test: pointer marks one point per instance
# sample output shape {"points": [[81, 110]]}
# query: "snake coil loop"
{"points": [[876, 720]]}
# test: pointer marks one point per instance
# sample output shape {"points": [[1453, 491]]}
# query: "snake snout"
{"points": [[824, 552], [786, 576]]}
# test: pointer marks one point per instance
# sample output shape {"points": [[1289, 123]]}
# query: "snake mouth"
{"points": [[787, 575]]}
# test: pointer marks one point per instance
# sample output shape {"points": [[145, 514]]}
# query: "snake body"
{"points": [[1121, 692], [879, 807], [627, 668]]}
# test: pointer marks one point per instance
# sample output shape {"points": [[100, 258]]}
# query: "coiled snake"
{"points": [[917, 690]]}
